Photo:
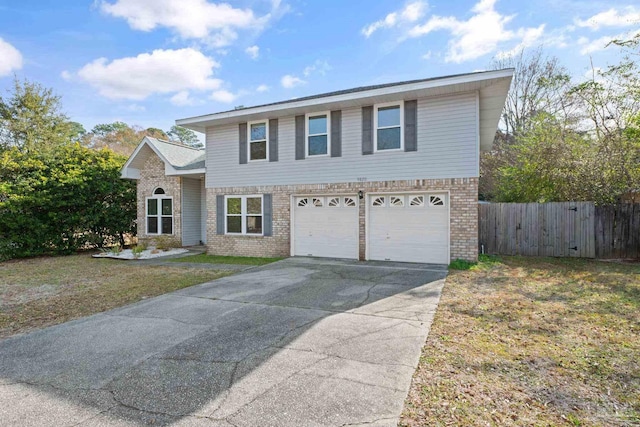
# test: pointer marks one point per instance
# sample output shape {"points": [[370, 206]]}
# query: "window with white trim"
{"points": [[334, 202], [318, 136], [258, 145], [243, 215], [159, 213], [388, 122]]}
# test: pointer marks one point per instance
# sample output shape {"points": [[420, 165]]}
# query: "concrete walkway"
{"points": [[301, 342]]}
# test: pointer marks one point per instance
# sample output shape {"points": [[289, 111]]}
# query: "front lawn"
{"points": [[218, 259], [45, 291], [532, 342]]}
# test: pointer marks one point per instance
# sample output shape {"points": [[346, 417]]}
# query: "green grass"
{"points": [[45, 291], [218, 259], [461, 264]]}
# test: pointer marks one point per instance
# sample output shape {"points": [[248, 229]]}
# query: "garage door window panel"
{"points": [[349, 202], [436, 201], [378, 201], [334, 202], [397, 201], [417, 201]]}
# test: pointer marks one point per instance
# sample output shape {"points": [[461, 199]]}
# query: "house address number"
{"points": [[362, 179]]}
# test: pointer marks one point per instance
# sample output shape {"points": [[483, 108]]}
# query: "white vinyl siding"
{"points": [[447, 148], [191, 212]]}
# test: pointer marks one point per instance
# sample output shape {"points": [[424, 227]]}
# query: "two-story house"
{"points": [[385, 172]]}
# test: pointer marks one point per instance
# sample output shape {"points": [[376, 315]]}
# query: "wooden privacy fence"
{"points": [[566, 229]]}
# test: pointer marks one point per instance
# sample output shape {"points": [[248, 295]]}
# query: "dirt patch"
{"points": [[45, 291]]}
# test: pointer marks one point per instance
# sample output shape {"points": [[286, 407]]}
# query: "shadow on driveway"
{"points": [[299, 342]]}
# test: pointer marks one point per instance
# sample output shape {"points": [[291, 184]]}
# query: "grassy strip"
{"points": [[40, 292], [532, 341], [218, 259]]}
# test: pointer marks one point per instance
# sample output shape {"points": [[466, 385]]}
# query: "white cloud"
{"points": [[410, 13], [588, 47], [224, 96], [288, 81], [611, 18], [161, 71], [66, 75], [427, 55], [136, 108], [481, 34], [214, 23], [184, 99], [253, 51], [262, 88], [529, 37], [319, 67], [10, 58]]}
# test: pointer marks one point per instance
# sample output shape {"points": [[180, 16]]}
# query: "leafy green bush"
{"points": [[61, 200]]}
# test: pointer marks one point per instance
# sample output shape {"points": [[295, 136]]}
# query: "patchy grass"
{"points": [[461, 264], [46, 291], [218, 259], [532, 342]]}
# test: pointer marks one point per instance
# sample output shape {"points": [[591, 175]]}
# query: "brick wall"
{"points": [[463, 208], [151, 177]]}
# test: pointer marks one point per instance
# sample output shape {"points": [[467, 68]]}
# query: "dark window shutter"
{"points": [[367, 130], [273, 140], [300, 151], [410, 125], [267, 210], [242, 129], [220, 213], [336, 133]]}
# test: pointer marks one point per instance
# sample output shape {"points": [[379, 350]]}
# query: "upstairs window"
{"points": [[258, 142], [318, 138], [159, 213], [388, 122]]}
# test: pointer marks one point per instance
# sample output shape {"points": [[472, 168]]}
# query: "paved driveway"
{"points": [[301, 342]]}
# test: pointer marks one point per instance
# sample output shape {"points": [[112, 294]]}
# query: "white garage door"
{"points": [[409, 227], [326, 226]]}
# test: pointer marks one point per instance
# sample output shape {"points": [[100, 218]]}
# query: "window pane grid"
{"points": [[318, 135], [159, 214], [244, 215]]}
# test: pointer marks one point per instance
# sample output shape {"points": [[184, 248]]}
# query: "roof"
{"points": [[179, 156], [348, 91], [178, 159], [491, 86]]}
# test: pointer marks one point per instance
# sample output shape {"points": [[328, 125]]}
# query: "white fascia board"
{"points": [[130, 173], [202, 121], [201, 171]]}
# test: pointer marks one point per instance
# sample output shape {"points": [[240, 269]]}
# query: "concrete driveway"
{"points": [[301, 342]]}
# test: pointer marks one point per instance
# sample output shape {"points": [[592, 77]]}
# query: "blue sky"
{"points": [[149, 62]]}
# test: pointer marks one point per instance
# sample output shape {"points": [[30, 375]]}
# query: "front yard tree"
{"points": [[185, 136], [31, 119]]}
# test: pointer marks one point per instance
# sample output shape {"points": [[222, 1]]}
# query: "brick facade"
{"points": [[463, 208], [152, 176]]}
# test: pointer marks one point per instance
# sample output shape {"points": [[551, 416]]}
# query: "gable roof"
{"points": [[492, 87], [178, 158]]}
